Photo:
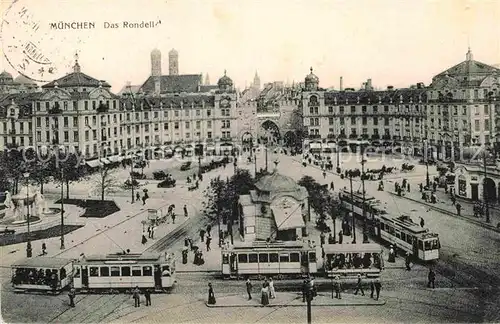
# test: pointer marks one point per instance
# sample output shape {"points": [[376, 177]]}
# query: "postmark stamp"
{"points": [[28, 46]]}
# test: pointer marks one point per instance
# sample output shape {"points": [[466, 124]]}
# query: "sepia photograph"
{"points": [[250, 161]]}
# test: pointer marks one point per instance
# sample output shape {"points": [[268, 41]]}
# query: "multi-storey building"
{"points": [[76, 112], [464, 105], [21, 84], [385, 117]]}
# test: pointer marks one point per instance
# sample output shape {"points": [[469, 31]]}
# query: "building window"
{"points": [[486, 109], [38, 122], [38, 136], [187, 124], [375, 121], [209, 135], [165, 126], [198, 124], [363, 120], [386, 121], [353, 120], [176, 113], [209, 124], [75, 136], [375, 109], [37, 106], [197, 112], [176, 125], [65, 121], [341, 120], [330, 110], [165, 114], [477, 127], [353, 109], [209, 113], [66, 136], [330, 120], [341, 110]]}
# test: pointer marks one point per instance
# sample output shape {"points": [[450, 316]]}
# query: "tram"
{"points": [[280, 259], [42, 274], [351, 260], [400, 231], [125, 271]]}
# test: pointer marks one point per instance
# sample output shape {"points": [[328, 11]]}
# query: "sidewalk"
{"points": [[444, 205], [290, 299]]}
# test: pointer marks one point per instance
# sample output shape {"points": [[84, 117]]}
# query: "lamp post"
{"points": [[427, 179], [62, 209], [352, 210], [29, 250], [363, 161], [132, 178], [485, 192]]}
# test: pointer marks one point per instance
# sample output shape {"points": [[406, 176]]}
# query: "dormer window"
{"points": [[12, 112]]}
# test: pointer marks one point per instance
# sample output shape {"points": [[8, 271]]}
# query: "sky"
{"points": [[393, 42]]}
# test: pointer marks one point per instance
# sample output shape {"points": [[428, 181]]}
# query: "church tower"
{"points": [[207, 80], [256, 81], [155, 62], [173, 62]]}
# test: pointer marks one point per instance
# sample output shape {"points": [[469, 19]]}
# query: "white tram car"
{"points": [[125, 271], [401, 231], [281, 259], [340, 260]]}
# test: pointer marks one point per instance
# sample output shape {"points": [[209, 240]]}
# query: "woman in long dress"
{"points": [[265, 296], [211, 295]]}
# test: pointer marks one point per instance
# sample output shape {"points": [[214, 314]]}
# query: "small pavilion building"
{"points": [[276, 210]]}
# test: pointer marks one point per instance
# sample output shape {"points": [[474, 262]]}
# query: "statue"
{"points": [[8, 200], [19, 212], [41, 204]]}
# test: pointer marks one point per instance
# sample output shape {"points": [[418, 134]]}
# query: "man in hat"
{"points": [[377, 285], [359, 286], [338, 287], [71, 295]]}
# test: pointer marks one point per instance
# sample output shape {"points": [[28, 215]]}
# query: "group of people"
{"points": [[400, 188], [136, 294], [353, 261], [31, 276], [267, 291]]}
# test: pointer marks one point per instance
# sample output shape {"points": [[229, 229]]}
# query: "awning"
{"points": [[315, 145], [115, 159], [105, 161], [158, 149], [210, 148], [288, 216], [178, 149], [93, 163], [189, 148], [168, 151]]}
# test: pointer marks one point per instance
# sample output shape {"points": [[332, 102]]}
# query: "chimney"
{"points": [[341, 83]]}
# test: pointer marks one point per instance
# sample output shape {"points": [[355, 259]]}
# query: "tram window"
{"points": [[427, 245], [294, 257], [403, 236], [252, 258], [104, 272], [136, 272], [312, 256], [94, 272], [391, 230], [284, 258], [242, 258], [115, 271], [125, 271], [147, 271], [77, 273], [420, 245], [382, 226], [273, 257], [409, 239], [63, 273], [263, 257]]}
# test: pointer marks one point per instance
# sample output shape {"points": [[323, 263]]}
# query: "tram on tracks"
{"points": [[351, 260], [259, 258], [124, 272], [42, 274], [112, 272], [400, 231]]}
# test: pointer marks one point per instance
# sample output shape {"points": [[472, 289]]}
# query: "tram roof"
{"points": [[124, 257], [352, 248], [42, 262], [267, 246], [359, 195], [406, 223]]}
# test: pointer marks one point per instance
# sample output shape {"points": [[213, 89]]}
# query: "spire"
{"points": [[76, 67], [207, 80], [469, 56]]}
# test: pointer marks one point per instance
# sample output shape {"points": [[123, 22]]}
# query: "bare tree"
{"points": [[106, 181]]}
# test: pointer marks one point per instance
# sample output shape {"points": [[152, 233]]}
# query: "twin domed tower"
{"points": [[173, 62]]}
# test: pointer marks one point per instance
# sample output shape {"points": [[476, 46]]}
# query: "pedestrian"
{"points": [[453, 200], [313, 286], [408, 261], [264, 299], [209, 239], [324, 174], [459, 208], [305, 287], [431, 278], [149, 231], [211, 295], [249, 288], [185, 211], [372, 288], [378, 285], [341, 237], [144, 239], [152, 231], [421, 187], [173, 218], [422, 222], [147, 294], [136, 295], [338, 287], [71, 295], [209, 229], [44, 249], [408, 187], [202, 235], [272, 292], [137, 196], [391, 257], [330, 239], [144, 199], [332, 187], [359, 286]]}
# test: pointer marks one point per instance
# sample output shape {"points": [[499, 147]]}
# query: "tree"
{"points": [[12, 166], [106, 181], [318, 195], [72, 166]]}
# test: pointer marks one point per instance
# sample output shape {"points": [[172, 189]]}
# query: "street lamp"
{"points": [[363, 161], [29, 250], [427, 180], [62, 209]]}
